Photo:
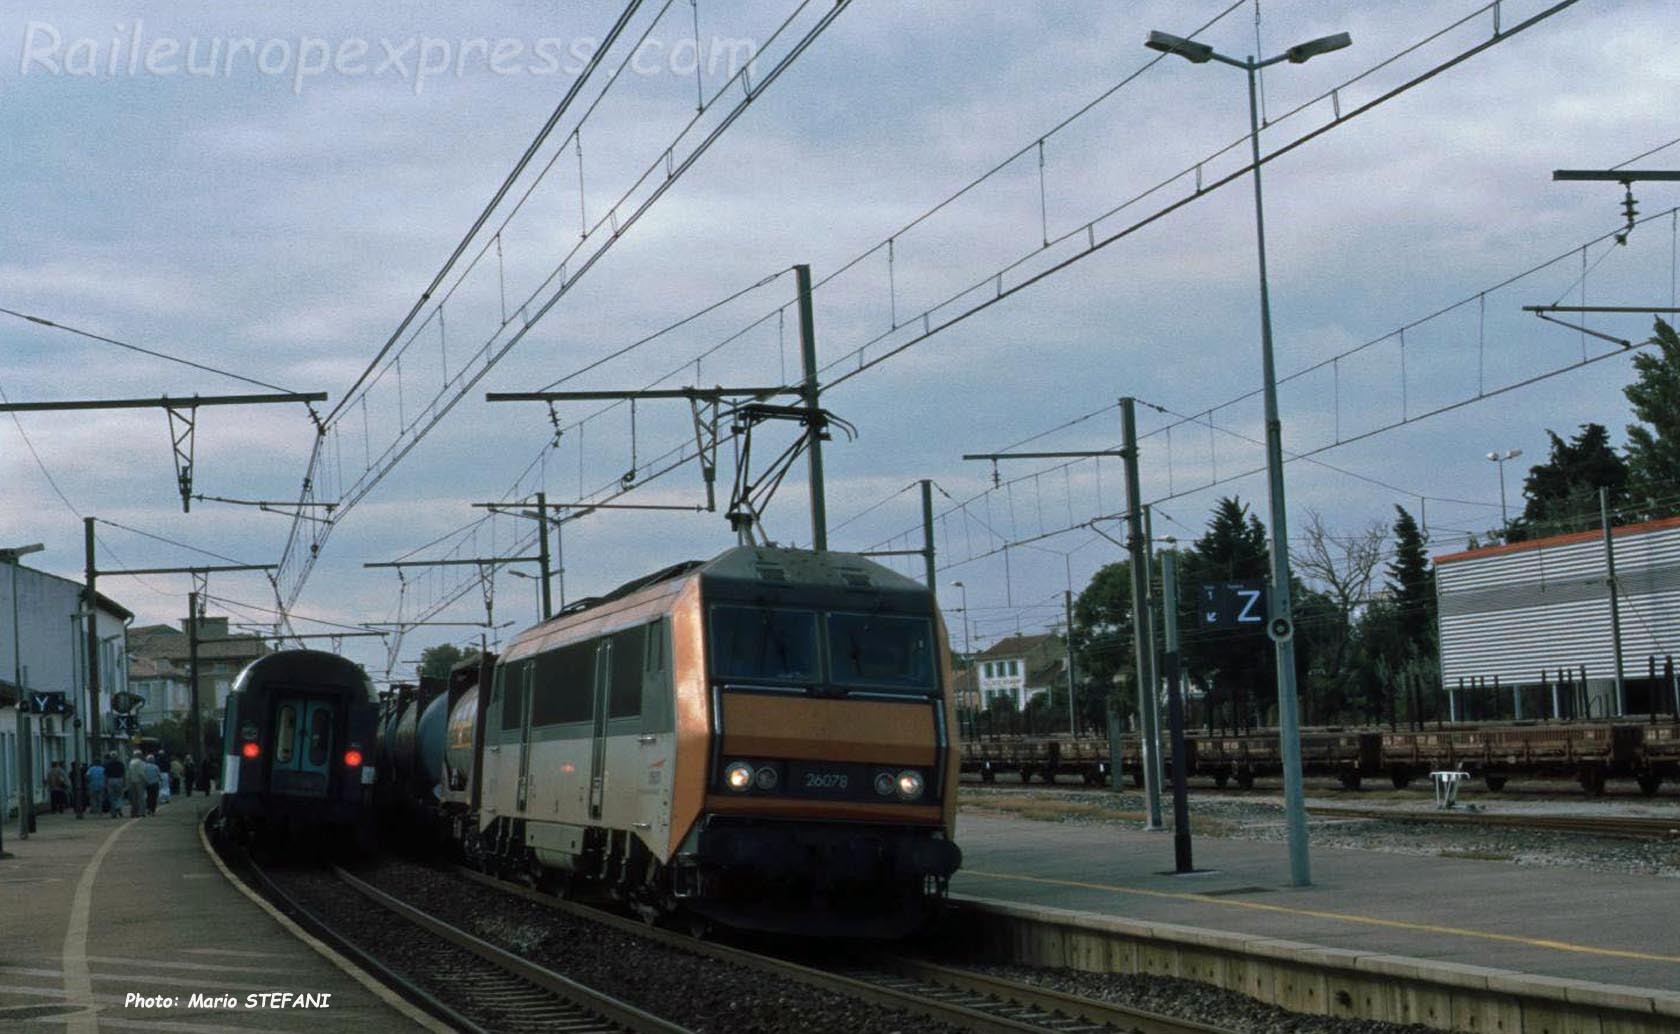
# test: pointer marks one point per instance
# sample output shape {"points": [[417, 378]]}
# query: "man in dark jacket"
{"points": [[114, 776]]}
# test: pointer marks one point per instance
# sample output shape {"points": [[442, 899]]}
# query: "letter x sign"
{"points": [[1233, 604]]}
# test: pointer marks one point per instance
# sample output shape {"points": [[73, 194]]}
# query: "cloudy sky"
{"points": [[266, 192]]}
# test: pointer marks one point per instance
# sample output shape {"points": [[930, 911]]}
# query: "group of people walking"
{"points": [[144, 782]]}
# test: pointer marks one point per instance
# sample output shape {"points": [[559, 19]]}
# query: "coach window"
{"points": [[512, 680], [629, 649], [564, 689], [285, 735], [320, 731]]}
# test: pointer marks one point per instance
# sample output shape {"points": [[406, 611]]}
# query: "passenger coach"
{"points": [[762, 739], [298, 738]]}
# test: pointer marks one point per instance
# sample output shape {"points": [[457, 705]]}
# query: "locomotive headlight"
{"points": [[885, 785], [909, 785], [738, 776], [767, 778]]}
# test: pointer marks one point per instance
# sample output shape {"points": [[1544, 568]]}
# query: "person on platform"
{"points": [[154, 776], [115, 776], [96, 788], [176, 770], [78, 788], [188, 774], [58, 783], [136, 782]]}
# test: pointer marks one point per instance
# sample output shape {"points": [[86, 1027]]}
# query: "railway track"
{"points": [[966, 1001], [1634, 827], [467, 982]]}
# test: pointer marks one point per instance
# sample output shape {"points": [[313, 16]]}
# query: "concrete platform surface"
{"points": [[1563, 923], [103, 922]]}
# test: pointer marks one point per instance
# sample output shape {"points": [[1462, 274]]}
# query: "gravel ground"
{"points": [[1187, 1000], [1249, 817], [703, 994]]}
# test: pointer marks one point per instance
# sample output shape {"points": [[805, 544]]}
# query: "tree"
{"points": [[1653, 447], [1103, 640], [1345, 565], [437, 661], [1236, 666], [1411, 584], [1563, 492]]}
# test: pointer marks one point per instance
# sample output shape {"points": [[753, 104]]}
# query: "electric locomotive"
{"points": [[762, 740], [298, 738]]}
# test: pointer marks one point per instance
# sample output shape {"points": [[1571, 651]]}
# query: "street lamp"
{"points": [[1280, 626], [1500, 458]]}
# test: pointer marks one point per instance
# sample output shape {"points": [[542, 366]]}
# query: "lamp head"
{"points": [[1494, 456], [1302, 52], [1189, 50]]}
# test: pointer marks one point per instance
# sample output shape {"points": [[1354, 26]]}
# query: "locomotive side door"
{"points": [[598, 730], [302, 746], [521, 684]]}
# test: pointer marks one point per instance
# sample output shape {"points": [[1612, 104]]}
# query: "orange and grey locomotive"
{"points": [[764, 740]]}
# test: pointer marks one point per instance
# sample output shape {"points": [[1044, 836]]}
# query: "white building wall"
{"points": [[1517, 613], [43, 648]]}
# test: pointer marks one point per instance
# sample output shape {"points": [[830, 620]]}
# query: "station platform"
{"points": [[97, 913], [1566, 924]]}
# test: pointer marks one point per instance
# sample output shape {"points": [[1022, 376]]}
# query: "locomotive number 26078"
{"points": [[825, 780]]}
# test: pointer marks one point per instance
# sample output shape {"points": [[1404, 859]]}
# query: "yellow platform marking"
{"points": [[1345, 917], [78, 979]]}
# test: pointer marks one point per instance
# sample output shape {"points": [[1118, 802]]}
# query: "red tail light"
{"points": [[352, 757], [250, 750]]}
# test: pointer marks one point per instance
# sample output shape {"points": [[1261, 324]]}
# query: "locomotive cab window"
{"points": [[764, 643], [629, 649], [285, 734], [882, 651], [564, 689]]}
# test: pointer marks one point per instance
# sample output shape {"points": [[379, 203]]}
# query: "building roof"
{"points": [[1018, 645], [1553, 541], [166, 642], [153, 668]]}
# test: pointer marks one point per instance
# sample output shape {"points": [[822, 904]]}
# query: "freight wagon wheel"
{"points": [[987, 775], [1496, 783], [1592, 781], [1400, 779], [1137, 778], [1648, 784], [1026, 775], [1350, 779], [1222, 780], [1245, 779]]}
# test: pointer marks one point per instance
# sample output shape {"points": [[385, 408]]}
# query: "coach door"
{"points": [[598, 732], [302, 747]]}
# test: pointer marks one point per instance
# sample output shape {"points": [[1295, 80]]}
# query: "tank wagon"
{"points": [[298, 741], [763, 740]]}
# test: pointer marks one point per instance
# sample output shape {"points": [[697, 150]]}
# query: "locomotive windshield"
{"points": [[881, 650], [764, 643], [867, 651]]}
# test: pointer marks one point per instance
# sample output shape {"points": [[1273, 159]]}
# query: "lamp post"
{"points": [[1500, 458], [968, 655], [1280, 625]]}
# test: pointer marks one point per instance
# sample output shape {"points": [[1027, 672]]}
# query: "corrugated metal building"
{"points": [[1523, 613]]}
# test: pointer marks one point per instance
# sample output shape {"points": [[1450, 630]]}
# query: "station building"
{"points": [[43, 650], [160, 659], [1526, 629]]}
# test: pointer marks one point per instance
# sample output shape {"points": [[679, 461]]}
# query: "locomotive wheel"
{"points": [[1496, 783], [1648, 784]]}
